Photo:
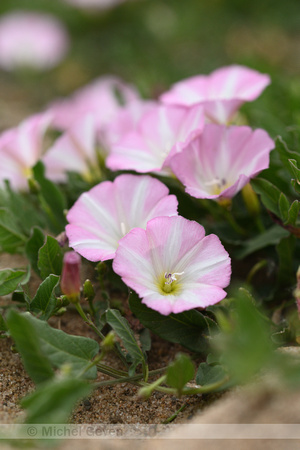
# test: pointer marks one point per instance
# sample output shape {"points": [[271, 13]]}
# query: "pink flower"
{"points": [[221, 93], [173, 266], [160, 133], [221, 161], [20, 150], [98, 98], [70, 277], [102, 216], [74, 151], [94, 4], [126, 119], [31, 40]]}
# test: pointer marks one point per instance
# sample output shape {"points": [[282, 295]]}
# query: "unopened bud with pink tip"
{"points": [[70, 278]]}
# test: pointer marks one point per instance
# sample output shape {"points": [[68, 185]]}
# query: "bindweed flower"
{"points": [[74, 151], [70, 279], [31, 40], [221, 161], [160, 133], [20, 150], [173, 266], [221, 93], [94, 4], [126, 119], [103, 215], [102, 98]]}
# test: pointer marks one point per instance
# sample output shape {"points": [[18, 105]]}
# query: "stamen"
{"points": [[170, 277], [123, 228]]}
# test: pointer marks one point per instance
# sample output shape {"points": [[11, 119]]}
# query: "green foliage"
{"points": [[12, 239], [28, 344], [53, 401], [120, 325], [272, 236], [62, 348], [45, 300], [34, 243], [50, 258], [207, 374], [51, 199], [10, 280], [269, 194], [189, 329], [180, 372], [244, 344], [3, 326]]}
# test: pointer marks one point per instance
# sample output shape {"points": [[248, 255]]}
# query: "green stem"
{"points": [[255, 269], [259, 224], [92, 364], [173, 416], [121, 377], [205, 389], [101, 335], [88, 321], [230, 218]]}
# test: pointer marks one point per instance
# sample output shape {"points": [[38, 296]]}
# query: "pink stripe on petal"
{"points": [[111, 209]]}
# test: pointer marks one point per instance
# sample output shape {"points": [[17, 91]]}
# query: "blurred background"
{"points": [[154, 43]]}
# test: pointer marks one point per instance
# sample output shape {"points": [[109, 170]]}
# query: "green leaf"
{"points": [[51, 198], [50, 258], [295, 169], [284, 207], [180, 372], [62, 348], [269, 194], [10, 279], [53, 402], [286, 154], [189, 328], [28, 345], [24, 208], [45, 299], [270, 237], [286, 270], [34, 243], [11, 238], [3, 326], [293, 213], [246, 347], [120, 325], [207, 374], [145, 340]]}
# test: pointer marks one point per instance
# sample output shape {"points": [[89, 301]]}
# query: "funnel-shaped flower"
{"points": [[20, 150], [74, 151], [126, 119], [221, 93], [102, 98], [160, 133], [102, 216], [173, 266], [222, 160], [31, 40]]}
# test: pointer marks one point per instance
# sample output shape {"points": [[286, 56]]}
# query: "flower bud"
{"points": [[108, 343], [88, 291], [70, 279]]}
